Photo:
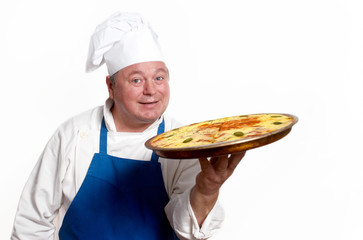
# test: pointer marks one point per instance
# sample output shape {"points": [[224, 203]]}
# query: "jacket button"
{"points": [[83, 134]]}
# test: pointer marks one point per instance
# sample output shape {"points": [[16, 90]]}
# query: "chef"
{"points": [[96, 180]]}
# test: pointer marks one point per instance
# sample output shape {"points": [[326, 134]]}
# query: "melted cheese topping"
{"points": [[222, 130]]}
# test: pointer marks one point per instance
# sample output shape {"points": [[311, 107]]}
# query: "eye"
{"points": [[136, 81], [159, 79]]}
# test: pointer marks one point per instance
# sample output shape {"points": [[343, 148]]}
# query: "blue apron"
{"points": [[119, 199]]}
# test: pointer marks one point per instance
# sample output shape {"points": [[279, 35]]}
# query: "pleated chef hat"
{"points": [[122, 40]]}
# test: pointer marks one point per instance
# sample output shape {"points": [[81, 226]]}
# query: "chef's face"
{"points": [[140, 93]]}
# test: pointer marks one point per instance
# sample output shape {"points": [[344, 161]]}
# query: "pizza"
{"points": [[222, 130]]}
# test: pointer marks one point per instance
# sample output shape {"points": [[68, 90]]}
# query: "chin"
{"points": [[150, 118]]}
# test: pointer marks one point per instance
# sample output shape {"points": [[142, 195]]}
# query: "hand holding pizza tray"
{"points": [[222, 136]]}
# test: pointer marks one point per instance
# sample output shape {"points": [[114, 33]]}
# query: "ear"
{"points": [[110, 87]]}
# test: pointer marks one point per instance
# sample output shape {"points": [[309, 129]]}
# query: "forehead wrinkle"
{"points": [[161, 69]]}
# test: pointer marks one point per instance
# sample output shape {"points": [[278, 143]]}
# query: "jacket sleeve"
{"points": [[42, 195], [179, 210]]}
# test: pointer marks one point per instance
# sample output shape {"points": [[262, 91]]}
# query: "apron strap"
{"points": [[103, 137], [161, 129]]}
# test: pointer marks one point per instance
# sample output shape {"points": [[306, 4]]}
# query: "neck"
{"points": [[131, 127], [123, 125]]}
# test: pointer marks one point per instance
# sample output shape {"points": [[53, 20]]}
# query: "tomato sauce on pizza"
{"points": [[222, 130]]}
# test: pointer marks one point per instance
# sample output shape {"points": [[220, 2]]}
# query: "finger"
{"points": [[204, 163], [213, 160], [235, 159], [221, 163]]}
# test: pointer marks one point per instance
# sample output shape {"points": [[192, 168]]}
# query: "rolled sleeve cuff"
{"points": [[185, 223]]}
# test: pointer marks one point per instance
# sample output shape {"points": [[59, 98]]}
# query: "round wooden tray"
{"points": [[223, 148]]}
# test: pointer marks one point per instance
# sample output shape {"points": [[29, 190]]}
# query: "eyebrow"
{"points": [[165, 70], [135, 72]]}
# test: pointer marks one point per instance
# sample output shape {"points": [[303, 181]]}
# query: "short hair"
{"points": [[113, 78]]}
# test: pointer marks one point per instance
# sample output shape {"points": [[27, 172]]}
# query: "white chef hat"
{"points": [[122, 40]]}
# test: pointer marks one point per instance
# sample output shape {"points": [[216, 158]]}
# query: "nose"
{"points": [[149, 87]]}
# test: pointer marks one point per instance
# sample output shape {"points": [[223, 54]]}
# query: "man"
{"points": [[97, 175]]}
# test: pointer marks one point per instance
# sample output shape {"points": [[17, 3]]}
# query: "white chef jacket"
{"points": [[63, 165]]}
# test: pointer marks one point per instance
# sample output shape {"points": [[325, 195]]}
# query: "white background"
{"points": [[225, 58]]}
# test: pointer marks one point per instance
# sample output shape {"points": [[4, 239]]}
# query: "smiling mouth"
{"points": [[148, 103]]}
